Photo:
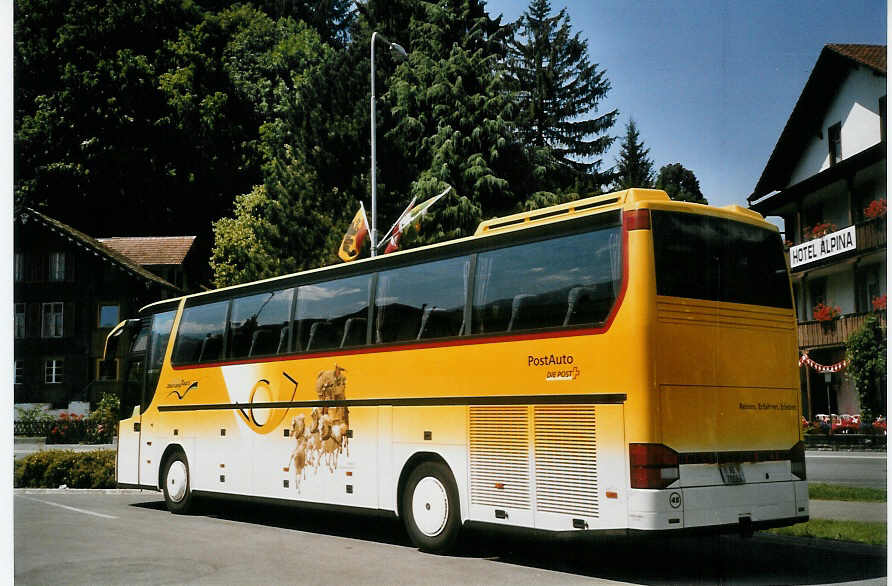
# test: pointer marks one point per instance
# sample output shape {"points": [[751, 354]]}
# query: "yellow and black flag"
{"points": [[356, 234]]}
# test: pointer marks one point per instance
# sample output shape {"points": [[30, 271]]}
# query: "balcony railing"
{"points": [[871, 234], [834, 332]]}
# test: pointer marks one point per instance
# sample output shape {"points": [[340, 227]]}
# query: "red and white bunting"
{"points": [[804, 359]]}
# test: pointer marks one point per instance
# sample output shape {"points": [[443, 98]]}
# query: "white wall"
{"points": [[856, 106], [841, 291]]}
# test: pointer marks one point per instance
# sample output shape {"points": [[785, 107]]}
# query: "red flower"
{"points": [[819, 229], [876, 209], [879, 303], [823, 312]]}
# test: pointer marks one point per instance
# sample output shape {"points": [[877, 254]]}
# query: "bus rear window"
{"points": [[703, 257]]}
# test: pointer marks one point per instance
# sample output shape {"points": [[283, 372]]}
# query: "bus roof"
{"points": [[629, 198]]}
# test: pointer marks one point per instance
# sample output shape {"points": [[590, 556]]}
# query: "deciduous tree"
{"points": [[681, 184], [866, 353]]}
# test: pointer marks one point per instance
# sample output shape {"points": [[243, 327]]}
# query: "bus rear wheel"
{"points": [[430, 508], [177, 490]]}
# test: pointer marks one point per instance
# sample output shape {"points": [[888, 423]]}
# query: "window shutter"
{"points": [[69, 266], [68, 319], [34, 268], [32, 320]]}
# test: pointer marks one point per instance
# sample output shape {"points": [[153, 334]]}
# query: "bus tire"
{"points": [[177, 488], [430, 508]]}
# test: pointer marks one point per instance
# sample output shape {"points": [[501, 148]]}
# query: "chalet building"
{"points": [[826, 179], [172, 258], [69, 291]]}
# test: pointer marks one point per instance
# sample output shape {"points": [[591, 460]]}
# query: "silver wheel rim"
{"points": [[430, 506], [177, 477]]}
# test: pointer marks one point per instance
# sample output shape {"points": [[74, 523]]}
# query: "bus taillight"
{"points": [[652, 465], [797, 461], [636, 220]]}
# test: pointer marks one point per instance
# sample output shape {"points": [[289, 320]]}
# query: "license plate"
{"points": [[731, 473]]}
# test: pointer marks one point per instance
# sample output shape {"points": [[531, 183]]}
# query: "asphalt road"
{"points": [[88, 537], [851, 468]]}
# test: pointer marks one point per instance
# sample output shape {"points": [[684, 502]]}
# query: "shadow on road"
{"points": [[643, 560]]}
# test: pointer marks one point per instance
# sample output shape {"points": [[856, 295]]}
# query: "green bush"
{"points": [[35, 414], [53, 468], [103, 421]]}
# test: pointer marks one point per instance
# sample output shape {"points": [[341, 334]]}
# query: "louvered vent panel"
{"points": [[566, 459], [500, 456]]}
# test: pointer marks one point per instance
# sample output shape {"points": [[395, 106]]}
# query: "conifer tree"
{"points": [[453, 115], [558, 93], [633, 168]]}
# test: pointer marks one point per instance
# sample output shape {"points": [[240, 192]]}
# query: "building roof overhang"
{"points": [[845, 168], [91, 245]]}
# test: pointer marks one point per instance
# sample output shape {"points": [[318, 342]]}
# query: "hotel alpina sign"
{"points": [[824, 247]]}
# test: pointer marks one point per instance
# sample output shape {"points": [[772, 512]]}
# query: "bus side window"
{"points": [[333, 314], [422, 301], [258, 325], [200, 335], [564, 281]]}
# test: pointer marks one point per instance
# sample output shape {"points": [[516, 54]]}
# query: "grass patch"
{"points": [[855, 531], [836, 492]]}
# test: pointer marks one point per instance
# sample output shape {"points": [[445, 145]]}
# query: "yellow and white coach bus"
{"points": [[622, 362]]}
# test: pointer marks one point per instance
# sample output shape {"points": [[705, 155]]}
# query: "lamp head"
{"points": [[397, 52]]}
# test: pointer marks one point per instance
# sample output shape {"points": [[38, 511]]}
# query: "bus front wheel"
{"points": [[177, 491], [430, 507]]}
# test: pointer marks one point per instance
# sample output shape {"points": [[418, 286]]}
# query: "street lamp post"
{"points": [[398, 53]]}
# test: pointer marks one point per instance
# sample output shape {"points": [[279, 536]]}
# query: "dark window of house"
{"points": [[258, 325], [20, 320], [333, 315], [19, 267], [57, 266], [19, 372], [422, 301], [200, 335], [571, 280], [704, 257], [834, 139], [867, 287], [882, 107], [51, 319]]}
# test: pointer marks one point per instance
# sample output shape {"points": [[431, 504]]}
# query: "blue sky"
{"points": [[710, 84]]}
